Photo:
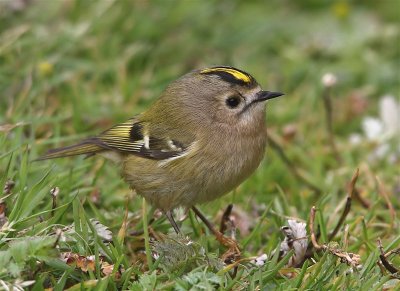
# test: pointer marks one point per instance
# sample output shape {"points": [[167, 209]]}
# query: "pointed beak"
{"points": [[266, 95]]}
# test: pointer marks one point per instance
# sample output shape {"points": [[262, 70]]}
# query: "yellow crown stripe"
{"points": [[237, 74]]}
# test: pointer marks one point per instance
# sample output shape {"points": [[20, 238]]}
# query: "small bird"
{"points": [[203, 137]]}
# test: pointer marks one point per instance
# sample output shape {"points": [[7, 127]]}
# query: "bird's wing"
{"points": [[130, 137], [136, 138]]}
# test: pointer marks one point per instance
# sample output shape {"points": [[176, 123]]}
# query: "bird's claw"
{"points": [[233, 253]]}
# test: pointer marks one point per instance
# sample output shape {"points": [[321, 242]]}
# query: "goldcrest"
{"points": [[204, 136]]}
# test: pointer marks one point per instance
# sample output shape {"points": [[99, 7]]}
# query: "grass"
{"points": [[70, 69]]}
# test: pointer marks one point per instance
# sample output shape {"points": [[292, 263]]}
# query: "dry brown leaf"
{"points": [[86, 264]]}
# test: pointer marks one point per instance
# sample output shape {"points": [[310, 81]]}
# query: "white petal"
{"points": [[260, 263], [329, 80], [263, 257], [389, 112], [355, 139], [373, 128]]}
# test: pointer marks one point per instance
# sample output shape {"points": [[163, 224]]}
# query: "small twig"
{"points": [[349, 258], [292, 168], [54, 192], [392, 269], [395, 251], [381, 267], [313, 238], [347, 208], [329, 122], [225, 219]]}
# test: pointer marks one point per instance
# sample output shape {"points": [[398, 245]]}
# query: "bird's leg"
{"points": [[171, 219], [233, 252]]}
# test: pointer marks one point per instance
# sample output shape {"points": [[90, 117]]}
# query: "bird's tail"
{"points": [[86, 147]]}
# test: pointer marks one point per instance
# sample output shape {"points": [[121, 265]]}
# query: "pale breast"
{"points": [[231, 162], [202, 174]]}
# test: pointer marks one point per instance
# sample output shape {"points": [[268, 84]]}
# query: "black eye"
{"points": [[233, 101]]}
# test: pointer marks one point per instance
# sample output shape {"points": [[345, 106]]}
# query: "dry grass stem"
{"points": [[226, 221], [329, 123], [351, 259], [347, 207], [388, 266], [312, 233]]}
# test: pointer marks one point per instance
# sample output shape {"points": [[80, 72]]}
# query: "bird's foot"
{"points": [[233, 253]]}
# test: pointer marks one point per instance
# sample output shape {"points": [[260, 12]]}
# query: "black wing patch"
{"points": [[136, 132], [131, 137]]}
